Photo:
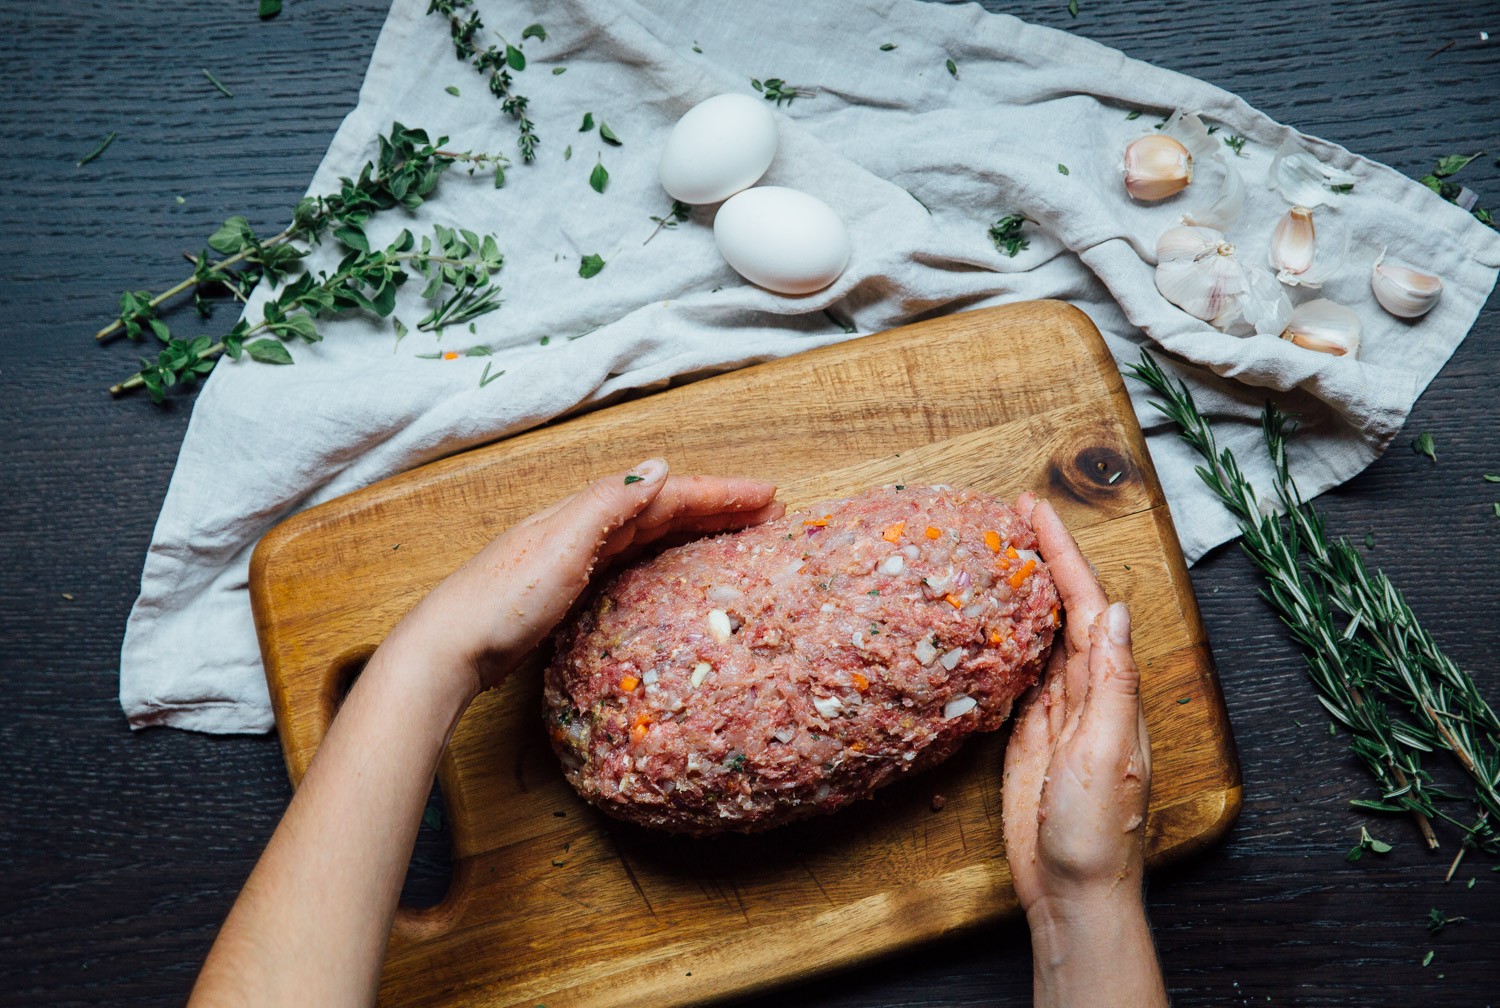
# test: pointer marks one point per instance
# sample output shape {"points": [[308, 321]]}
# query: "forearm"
{"points": [[311, 924], [1093, 954]]}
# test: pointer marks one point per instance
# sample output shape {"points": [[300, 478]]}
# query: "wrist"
{"points": [[1086, 917], [407, 659]]}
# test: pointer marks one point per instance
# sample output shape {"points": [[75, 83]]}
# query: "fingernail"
{"points": [[653, 470], [1117, 623]]}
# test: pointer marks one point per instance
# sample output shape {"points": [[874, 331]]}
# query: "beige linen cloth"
{"points": [[881, 128]]}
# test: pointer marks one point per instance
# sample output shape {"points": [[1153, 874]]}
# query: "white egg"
{"points": [[782, 239], [722, 145]]}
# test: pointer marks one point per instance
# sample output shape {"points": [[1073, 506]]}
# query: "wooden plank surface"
{"points": [[578, 910], [121, 852]]}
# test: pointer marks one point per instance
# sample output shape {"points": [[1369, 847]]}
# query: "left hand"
{"points": [[494, 609]]}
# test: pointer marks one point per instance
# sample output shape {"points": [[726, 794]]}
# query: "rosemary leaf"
{"points": [[218, 84], [103, 146]]}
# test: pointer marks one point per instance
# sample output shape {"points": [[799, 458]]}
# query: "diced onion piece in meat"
{"points": [[893, 565], [725, 595], [700, 673], [925, 652], [858, 639], [826, 607], [829, 707], [1029, 555], [950, 660], [959, 706], [718, 625], [971, 611], [649, 676], [910, 551], [784, 735]]}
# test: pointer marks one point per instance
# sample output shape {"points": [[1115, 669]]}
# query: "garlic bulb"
{"points": [[1156, 167], [1324, 326], [1302, 179], [1403, 291], [1300, 257], [1199, 273]]}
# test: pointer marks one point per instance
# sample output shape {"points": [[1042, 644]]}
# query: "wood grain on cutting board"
{"points": [[577, 909]]}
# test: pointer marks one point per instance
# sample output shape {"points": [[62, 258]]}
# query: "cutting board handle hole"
{"points": [[337, 686], [430, 870]]}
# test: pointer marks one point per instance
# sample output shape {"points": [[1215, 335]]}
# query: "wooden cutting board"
{"points": [[553, 903]]}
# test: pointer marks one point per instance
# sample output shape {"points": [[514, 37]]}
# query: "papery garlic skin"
{"points": [[1403, 291], [1224, 195], [1302, 179], [1292, 244], [1156, 167], [1199, 273], [1324, 326]]}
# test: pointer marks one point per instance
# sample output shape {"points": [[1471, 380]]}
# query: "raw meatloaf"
{"points": [[744, 681]]}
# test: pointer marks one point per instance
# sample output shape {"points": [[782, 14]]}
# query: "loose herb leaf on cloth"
{"points": [[599, 177], [590, 265]]}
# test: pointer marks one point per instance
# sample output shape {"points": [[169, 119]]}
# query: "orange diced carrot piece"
{"points": [[997, 638], [1020, 576], [992, 540], [450, 355], [953, 600], [628, 683], [893, 534], [860, 682], [638, 732], [1010, 551], [932, 532]]}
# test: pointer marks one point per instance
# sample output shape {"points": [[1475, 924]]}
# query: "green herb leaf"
{"points": [[452, 89], [1369, 540], [268, 351], [1062, 169], [1073, 8], [1423, 445], [588, 122], [1453, 164], [696, 47], [598, 178], [218, 84], [233, 235], [479, 350], [1133, 116], [1343, 188], [607, 134], [1006, 234], [515, 58], [1491, 478], [486, 378], [1496, 508], [1236, 143], [888, 47], [269, 9], [103, 146], [559, 71], [535, 31], [1427, 959], [499, 175], [632, 478], [589, 266], [952, 68]]}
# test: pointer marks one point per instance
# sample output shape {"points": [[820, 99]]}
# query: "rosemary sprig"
{"points": [[364, 279], [1380, 658], [405, 171], [495, 63]]}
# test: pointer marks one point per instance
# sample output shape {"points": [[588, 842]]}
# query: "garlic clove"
{"points": [[1324, 326], [1187, 243], [1157, 166], [1403, 291], [1292, 244], [1302, 179]]}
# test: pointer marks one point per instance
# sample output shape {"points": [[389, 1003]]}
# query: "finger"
{"points": [[683, 530], [1025, 504], [705, 495], [1057, 697], [1082, 596], [1027, 757], [1112, 716]]}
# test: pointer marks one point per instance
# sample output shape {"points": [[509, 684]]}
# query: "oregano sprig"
{"points": [[495, 63], [365, 279], [405, 171]]}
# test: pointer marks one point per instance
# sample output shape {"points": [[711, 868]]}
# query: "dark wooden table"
{"points": [[120, 853]]}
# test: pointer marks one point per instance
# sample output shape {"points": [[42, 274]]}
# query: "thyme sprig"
{"points": [[405, 171], [774, 89], [495, 63], [676, 214], [459, 261], [1378, 672]]}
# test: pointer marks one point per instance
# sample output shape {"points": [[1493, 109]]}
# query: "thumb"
{"points": [[612, 500]]}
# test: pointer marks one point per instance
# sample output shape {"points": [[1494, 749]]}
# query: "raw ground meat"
{"points": [[755, 678]]}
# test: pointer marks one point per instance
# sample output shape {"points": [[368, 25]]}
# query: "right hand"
{"points": [[1078, 766]]}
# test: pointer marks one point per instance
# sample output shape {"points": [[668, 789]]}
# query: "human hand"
{"points": [[494, 609], [1078, 766]]}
